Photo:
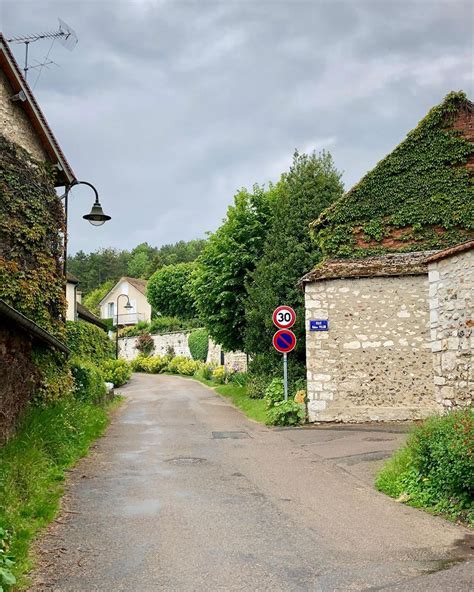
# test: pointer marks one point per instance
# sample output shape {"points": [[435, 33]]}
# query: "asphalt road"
{"points": [[185, 494]]}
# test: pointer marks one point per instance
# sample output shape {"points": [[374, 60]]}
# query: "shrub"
{"points": [[434, 468], [117, 372], [173, 364], [239, 378], [204, 371], [88, 341], [221, 375], [169, 324], [89, 383], [145, 344], [285, 413], [256, 385], [135, 330], [152, 364], [198, 342], [274, 393], [187, 367]]}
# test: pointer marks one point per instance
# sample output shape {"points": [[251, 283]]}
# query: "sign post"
{"points": [[284, 340]]}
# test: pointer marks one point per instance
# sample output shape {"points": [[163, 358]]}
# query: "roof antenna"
{"points": [[66, 35]]}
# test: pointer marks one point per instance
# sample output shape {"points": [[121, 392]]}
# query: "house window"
{"points": [[111, 310]]}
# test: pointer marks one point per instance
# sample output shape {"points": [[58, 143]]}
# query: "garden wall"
{"points": [[179, 342]]}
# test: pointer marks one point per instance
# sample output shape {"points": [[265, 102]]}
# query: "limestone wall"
{"points": [[375, 362], [236, 361], [14, 123], [451, 300], [178, 341]]}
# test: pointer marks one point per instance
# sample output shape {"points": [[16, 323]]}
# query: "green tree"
{"points": [[139, 265], [224, 265], [169, 291], [91, 301], [310, 186]]}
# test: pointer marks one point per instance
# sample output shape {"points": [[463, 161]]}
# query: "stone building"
{"points": [[451, 301], [385, 339], [371, 360]]}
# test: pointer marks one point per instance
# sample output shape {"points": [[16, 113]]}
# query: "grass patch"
{"points": [[253, 408], [434, 470], [32, 470]]}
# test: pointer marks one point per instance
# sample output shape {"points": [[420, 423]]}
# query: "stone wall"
{"points": [[375, 362], [451, 300], [15, 124], [178, 341], [236, 361]]}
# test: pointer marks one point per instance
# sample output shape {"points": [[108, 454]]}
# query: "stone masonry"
{"points": [[374, 363], [178, 341], [14, 123], [451, 301]]}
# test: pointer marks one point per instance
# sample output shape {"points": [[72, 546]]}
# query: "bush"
{"points": [[89, 382], [221, 375], [7, 561], [198, 342], [256, 385], [434, 468], [152, 364], [145, 344], [174, 363], [204, 371], [117, 372], [187, 367], [170, 324], [239, 378], [285, 413], [88, 341], [274, 393], [135, 330]]}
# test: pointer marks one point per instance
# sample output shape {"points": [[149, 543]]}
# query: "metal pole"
{"points": [[66, 198], [285, 375]]}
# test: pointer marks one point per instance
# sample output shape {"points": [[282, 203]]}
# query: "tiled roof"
{"points": [[467, 246], [139, 284], [86, 315], [35, 115], [391, 264]]}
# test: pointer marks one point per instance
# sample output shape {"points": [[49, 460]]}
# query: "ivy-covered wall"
{"points": [[31, 281], [419, 197], [31, 245]]}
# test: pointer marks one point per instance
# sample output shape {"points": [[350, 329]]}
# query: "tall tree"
{"points": [[169, 291], [223, 267], [310, 186]]}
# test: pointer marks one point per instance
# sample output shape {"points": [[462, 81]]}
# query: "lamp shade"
{"points": [[96, 216], [128, 306]]}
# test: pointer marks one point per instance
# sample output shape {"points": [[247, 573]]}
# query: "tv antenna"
{"points": [[65, 34]]}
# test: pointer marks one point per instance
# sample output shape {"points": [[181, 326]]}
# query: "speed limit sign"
{"points": [[284, 317]]}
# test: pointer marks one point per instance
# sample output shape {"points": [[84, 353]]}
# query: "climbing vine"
{"points": [[418, 197], [31, 227]]}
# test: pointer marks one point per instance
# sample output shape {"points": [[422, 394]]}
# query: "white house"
{"points": [[112, 304]]}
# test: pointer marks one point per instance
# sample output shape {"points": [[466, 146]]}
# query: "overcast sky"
{"points": [[170, 106]]}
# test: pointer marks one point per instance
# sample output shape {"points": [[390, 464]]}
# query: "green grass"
{"points": [[33, 466], [253, 408]]}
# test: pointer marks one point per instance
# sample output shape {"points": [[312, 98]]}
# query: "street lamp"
{"points": [[96, 216], [128, 306]]}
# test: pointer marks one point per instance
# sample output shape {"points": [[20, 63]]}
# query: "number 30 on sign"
{"points": [[284, 317]]}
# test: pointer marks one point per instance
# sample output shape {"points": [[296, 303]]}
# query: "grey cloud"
{"points": [[169, 107]]}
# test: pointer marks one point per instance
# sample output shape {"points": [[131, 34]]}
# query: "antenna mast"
{"points": [[65, 34]]}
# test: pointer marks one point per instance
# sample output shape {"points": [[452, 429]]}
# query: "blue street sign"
{"points": [[319, 325]]}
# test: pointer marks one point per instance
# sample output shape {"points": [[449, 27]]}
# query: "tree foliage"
{"points": [[92, 300], [311, 185], [231, 253], [169, 291], [103, 265]]}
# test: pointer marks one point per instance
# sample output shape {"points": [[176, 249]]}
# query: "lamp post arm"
{"points": [[66, 199]]}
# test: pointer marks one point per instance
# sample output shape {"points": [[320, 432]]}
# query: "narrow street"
{"points": [[185, 494]]}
